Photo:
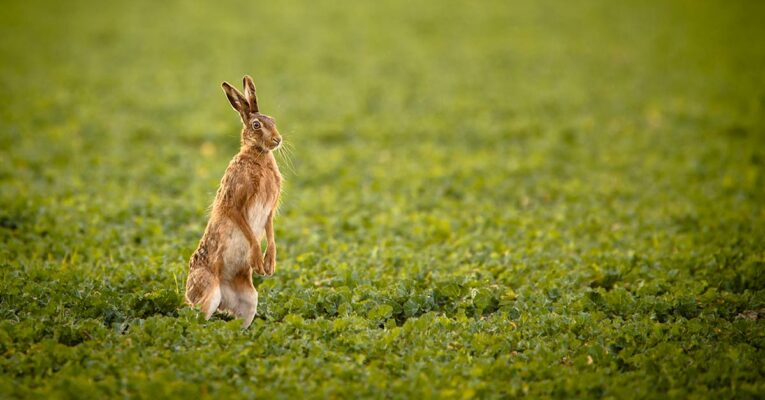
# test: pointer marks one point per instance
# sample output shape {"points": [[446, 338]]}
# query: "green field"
{"points": [[482, 199]]}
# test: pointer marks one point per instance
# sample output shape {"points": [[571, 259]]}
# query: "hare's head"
{"points": [[259, 129]]}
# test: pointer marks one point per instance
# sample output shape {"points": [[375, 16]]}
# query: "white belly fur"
{"points": [[237, 252], [257, 218]]}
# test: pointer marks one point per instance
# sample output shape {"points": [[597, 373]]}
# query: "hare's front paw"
{"points": [[256, 262], [270, 261]]}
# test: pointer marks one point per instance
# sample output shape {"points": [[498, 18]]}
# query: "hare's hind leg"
{"points": [[239, 300], [242, 297], [203, 289], [208, 299], [248, 305], [211, 302]]}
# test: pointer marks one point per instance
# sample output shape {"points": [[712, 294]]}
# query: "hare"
{"points": [[220, 270]]}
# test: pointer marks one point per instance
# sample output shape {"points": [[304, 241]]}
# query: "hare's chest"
{"points": [[257, 216], [262, 204]]}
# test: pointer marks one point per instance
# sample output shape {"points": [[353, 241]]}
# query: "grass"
{"points": [[504, 199]]}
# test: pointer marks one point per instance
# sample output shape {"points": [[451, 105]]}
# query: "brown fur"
{"points": [[220, 270]]}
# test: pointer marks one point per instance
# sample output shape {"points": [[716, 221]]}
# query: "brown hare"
{"points": [[220, 270]]}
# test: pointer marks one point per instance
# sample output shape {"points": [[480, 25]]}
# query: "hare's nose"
{"points": [[276, 140]]}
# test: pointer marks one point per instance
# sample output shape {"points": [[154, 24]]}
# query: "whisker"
{"points": [[285, 152], [288, 163]]}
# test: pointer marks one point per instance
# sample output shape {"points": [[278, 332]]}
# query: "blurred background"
{"points": [[542, 146], [484, 124]]}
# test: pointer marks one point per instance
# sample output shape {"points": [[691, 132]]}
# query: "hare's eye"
{"points": [[256, 124]]}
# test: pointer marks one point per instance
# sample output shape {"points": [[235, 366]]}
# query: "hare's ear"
{"points": [[249, 93], [237, 100]]}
